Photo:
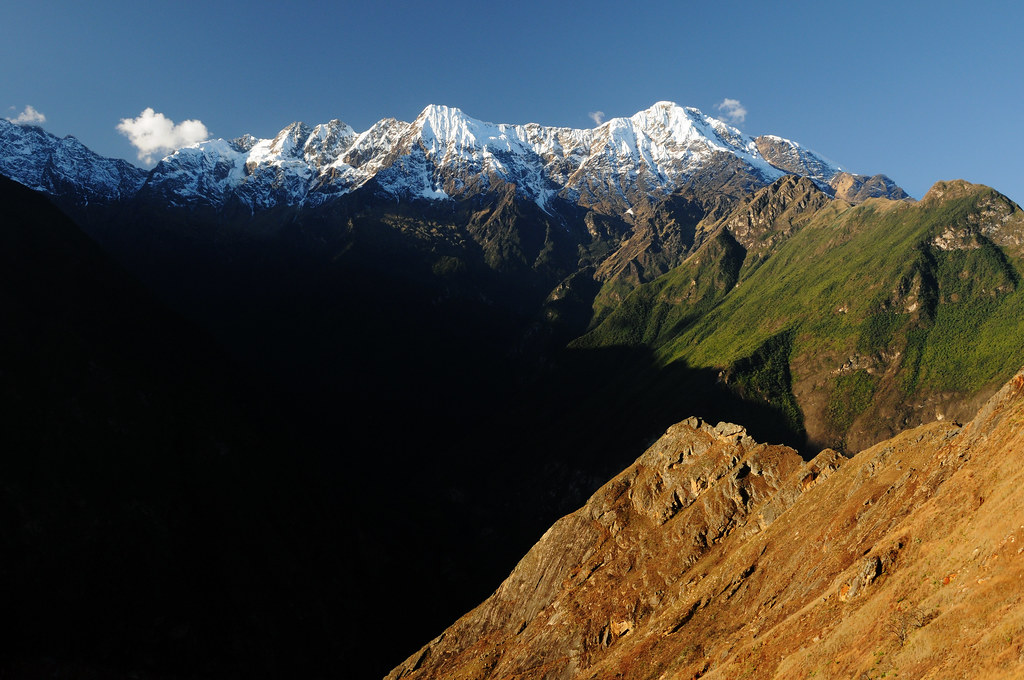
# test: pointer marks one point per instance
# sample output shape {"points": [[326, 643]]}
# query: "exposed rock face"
{"points": [[859, 188], [791, 157], [846, 186], [714, 556], [608, 569], [666, 234], [663, 236], [773, 213], [996, 218]]}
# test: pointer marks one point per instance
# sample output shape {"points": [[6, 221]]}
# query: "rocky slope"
{"points": [[829, 177], [860, 317], [714, 556], [859, 188]]}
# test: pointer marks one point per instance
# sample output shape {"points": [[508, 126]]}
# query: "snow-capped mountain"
{"points": [[793, 158], [64, 167], [442, 154], [445, 153]]}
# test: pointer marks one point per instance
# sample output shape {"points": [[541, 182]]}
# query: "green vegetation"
{"points": [[659, 311], [917, 290], [851, 396], [764, 376]]}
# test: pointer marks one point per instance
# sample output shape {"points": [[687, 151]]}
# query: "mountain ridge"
{"points": [[64, 166], [939, 271], [715, 556], [443, 154]]}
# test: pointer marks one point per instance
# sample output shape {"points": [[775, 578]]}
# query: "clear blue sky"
{"points": [[921, 91]]}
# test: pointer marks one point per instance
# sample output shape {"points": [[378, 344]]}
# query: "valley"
{"points": [[347, 374]]}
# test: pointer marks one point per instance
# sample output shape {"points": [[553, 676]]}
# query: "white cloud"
{"points": [[154, 133], [733, 111], [28, 117], [597, 117]]}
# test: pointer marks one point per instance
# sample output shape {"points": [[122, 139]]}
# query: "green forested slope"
{"points": [[889, 313]]}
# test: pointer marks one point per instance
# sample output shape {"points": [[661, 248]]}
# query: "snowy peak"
{"points": [[289, 142], [444, 127], [669, 125], [243, 143], [791, 157], [612, 166], [327, 142], [667, 121], [442, 154], [445, 153], [64, 166], [673, 130], [447, 124]]}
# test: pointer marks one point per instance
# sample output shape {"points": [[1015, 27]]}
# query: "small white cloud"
{"points": [[732, 110], [154, 133], [28, 117], [597, 117]]}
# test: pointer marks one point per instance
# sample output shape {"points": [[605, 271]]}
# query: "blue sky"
{"points": [[921, 91]]}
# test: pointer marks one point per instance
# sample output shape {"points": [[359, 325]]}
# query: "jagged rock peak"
{"points": [[791, 157], [775, 212], [951, 189], [830, 177], [291, 139], [714, 556], [983, 212], [626, 554], [859, 188], [243, 143]]}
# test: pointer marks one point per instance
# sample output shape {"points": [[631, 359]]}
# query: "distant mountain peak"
{"points": [[63, 166], [445, 153]]}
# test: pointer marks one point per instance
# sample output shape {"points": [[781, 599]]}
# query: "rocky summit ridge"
{"points": [[64, 166], [715, 556], [444, 154]]}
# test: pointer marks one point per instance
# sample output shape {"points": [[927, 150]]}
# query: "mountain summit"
{"points": [[65, 167], [715, 556], [445, 154]]}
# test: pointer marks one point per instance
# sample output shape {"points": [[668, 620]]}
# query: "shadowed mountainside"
{"points": [[219, 523]]}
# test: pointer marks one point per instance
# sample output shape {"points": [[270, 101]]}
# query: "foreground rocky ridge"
{"points": [[714, 556]]}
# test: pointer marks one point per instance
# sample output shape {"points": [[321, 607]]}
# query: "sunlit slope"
{"points": [[888, 313]]}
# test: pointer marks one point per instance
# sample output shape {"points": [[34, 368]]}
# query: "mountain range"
{"points": [[432, 340], [442, 154]]}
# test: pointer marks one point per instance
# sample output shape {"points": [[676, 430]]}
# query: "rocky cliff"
{"points": [[716, 556]]}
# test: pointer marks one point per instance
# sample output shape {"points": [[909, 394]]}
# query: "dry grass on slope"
{"points": [[717, 557]]}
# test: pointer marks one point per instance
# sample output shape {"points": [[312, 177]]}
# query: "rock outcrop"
{"points": [[715, 556], [859, 188]]}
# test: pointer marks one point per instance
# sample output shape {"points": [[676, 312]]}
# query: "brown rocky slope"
{"points": [[715, 556]]}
